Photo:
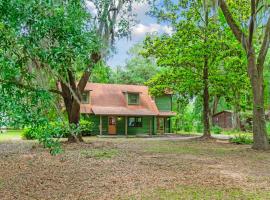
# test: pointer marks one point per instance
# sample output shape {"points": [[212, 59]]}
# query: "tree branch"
{"points": [[95, 58], [265, 45], [252, 22], [28, 87], [239, 34]]}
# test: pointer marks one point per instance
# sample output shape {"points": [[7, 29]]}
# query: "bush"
{"points": [[29, 134], [242, 139], [86, 127], [187, 127], [216, 129], [59, 130], [268, 128], [199, 128]]}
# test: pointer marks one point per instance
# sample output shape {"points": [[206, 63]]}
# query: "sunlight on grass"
{"points": [[11, 135], [193, 148], [205, 193]]}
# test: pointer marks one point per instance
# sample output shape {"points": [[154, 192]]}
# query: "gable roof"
{"points": [[223, 111], [110, 99]]}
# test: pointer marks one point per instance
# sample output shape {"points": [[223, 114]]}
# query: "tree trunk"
{"points": [[206, 131], [74, 120], [206, 110], [259, 126], [72, 96]]}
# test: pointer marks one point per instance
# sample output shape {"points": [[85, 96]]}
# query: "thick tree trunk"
{"points": [[72, 96], [259, 126], [74, 120]]}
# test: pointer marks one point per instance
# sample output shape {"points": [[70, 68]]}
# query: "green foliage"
{"points": [[137, 69], [59, 129], [268, 128], [199, 127], [242, 139], [86, 127], [101, 73], [216, 129]]}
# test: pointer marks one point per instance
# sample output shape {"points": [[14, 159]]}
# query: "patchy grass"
{"points": [[190, 147], [11, 135], [206, 193], [100, 153], [135, 168]]}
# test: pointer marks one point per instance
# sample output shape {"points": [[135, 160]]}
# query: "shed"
{"points": [[223, 119]]}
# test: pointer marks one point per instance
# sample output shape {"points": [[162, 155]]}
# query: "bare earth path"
{"points": [[134, 169]]}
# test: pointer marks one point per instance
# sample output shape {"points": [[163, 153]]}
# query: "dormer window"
{"points": [[85, 97], [133, 99]]}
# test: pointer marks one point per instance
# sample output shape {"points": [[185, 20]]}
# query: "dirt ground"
{"points": [[134, 169]]}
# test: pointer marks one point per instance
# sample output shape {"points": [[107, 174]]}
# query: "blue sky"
{"points": [[146, 24]]}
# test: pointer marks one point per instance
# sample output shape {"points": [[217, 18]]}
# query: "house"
{"points": [[223, 119], [126, 110]]}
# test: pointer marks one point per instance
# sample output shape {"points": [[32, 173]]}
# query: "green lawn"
{"points": [[11, 135]]}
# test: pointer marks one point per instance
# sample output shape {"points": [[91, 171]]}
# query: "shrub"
{"points": [[29, 134], [242, 139], [86, 127], [199, 128], [187, 127], [216, 129], [268, 128], [59, 130]]}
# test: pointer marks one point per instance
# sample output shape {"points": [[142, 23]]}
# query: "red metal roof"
{"points": [[110, 99]]}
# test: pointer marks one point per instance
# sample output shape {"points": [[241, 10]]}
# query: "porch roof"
{"points": [[122, 111]]}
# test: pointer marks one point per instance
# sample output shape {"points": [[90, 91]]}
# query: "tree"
{"points": [[61, 42], [255, 58], [192, 57], [137, 69]]}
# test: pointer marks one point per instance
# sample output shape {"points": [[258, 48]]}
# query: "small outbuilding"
{"points": [[223, 119]]}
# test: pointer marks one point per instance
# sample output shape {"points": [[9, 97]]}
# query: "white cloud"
{"points": [[141, 29]]}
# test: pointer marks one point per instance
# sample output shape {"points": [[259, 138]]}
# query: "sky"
{"points": [[146, 24]]}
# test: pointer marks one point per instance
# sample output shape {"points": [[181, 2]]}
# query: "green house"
{"points": [[126, 110]]}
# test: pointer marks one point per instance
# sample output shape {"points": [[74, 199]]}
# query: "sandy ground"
{"points": [[135, 167]]}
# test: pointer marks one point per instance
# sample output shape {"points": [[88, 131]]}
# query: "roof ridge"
{"points": [[117, 84]]}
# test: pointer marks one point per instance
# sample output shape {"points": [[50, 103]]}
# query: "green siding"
{"points": [[141, 130], [96, 121], [164, 103], [120, 125]]}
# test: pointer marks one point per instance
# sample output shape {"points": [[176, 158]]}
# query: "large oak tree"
{"points": [[250, 38]]}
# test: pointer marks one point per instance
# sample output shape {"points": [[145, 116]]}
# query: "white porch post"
{"points": [[126, 123], [100, 125]]}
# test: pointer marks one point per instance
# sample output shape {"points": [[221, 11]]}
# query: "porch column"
{"points": [[150, 126], [100, 125], [126, 125]]}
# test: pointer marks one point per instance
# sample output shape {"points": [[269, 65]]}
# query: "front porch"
{"points": [[130, 125]]}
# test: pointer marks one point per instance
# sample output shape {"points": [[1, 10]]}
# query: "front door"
{"points": [[160, 125], [112, 125]]}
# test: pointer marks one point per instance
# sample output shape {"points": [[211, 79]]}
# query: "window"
{"points": [[135, 122], [85, 97], [133, 98]]}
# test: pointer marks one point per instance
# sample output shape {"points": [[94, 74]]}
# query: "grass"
{"points": [[205, 193], [100, 153], [190, 147], [11, 135]]}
